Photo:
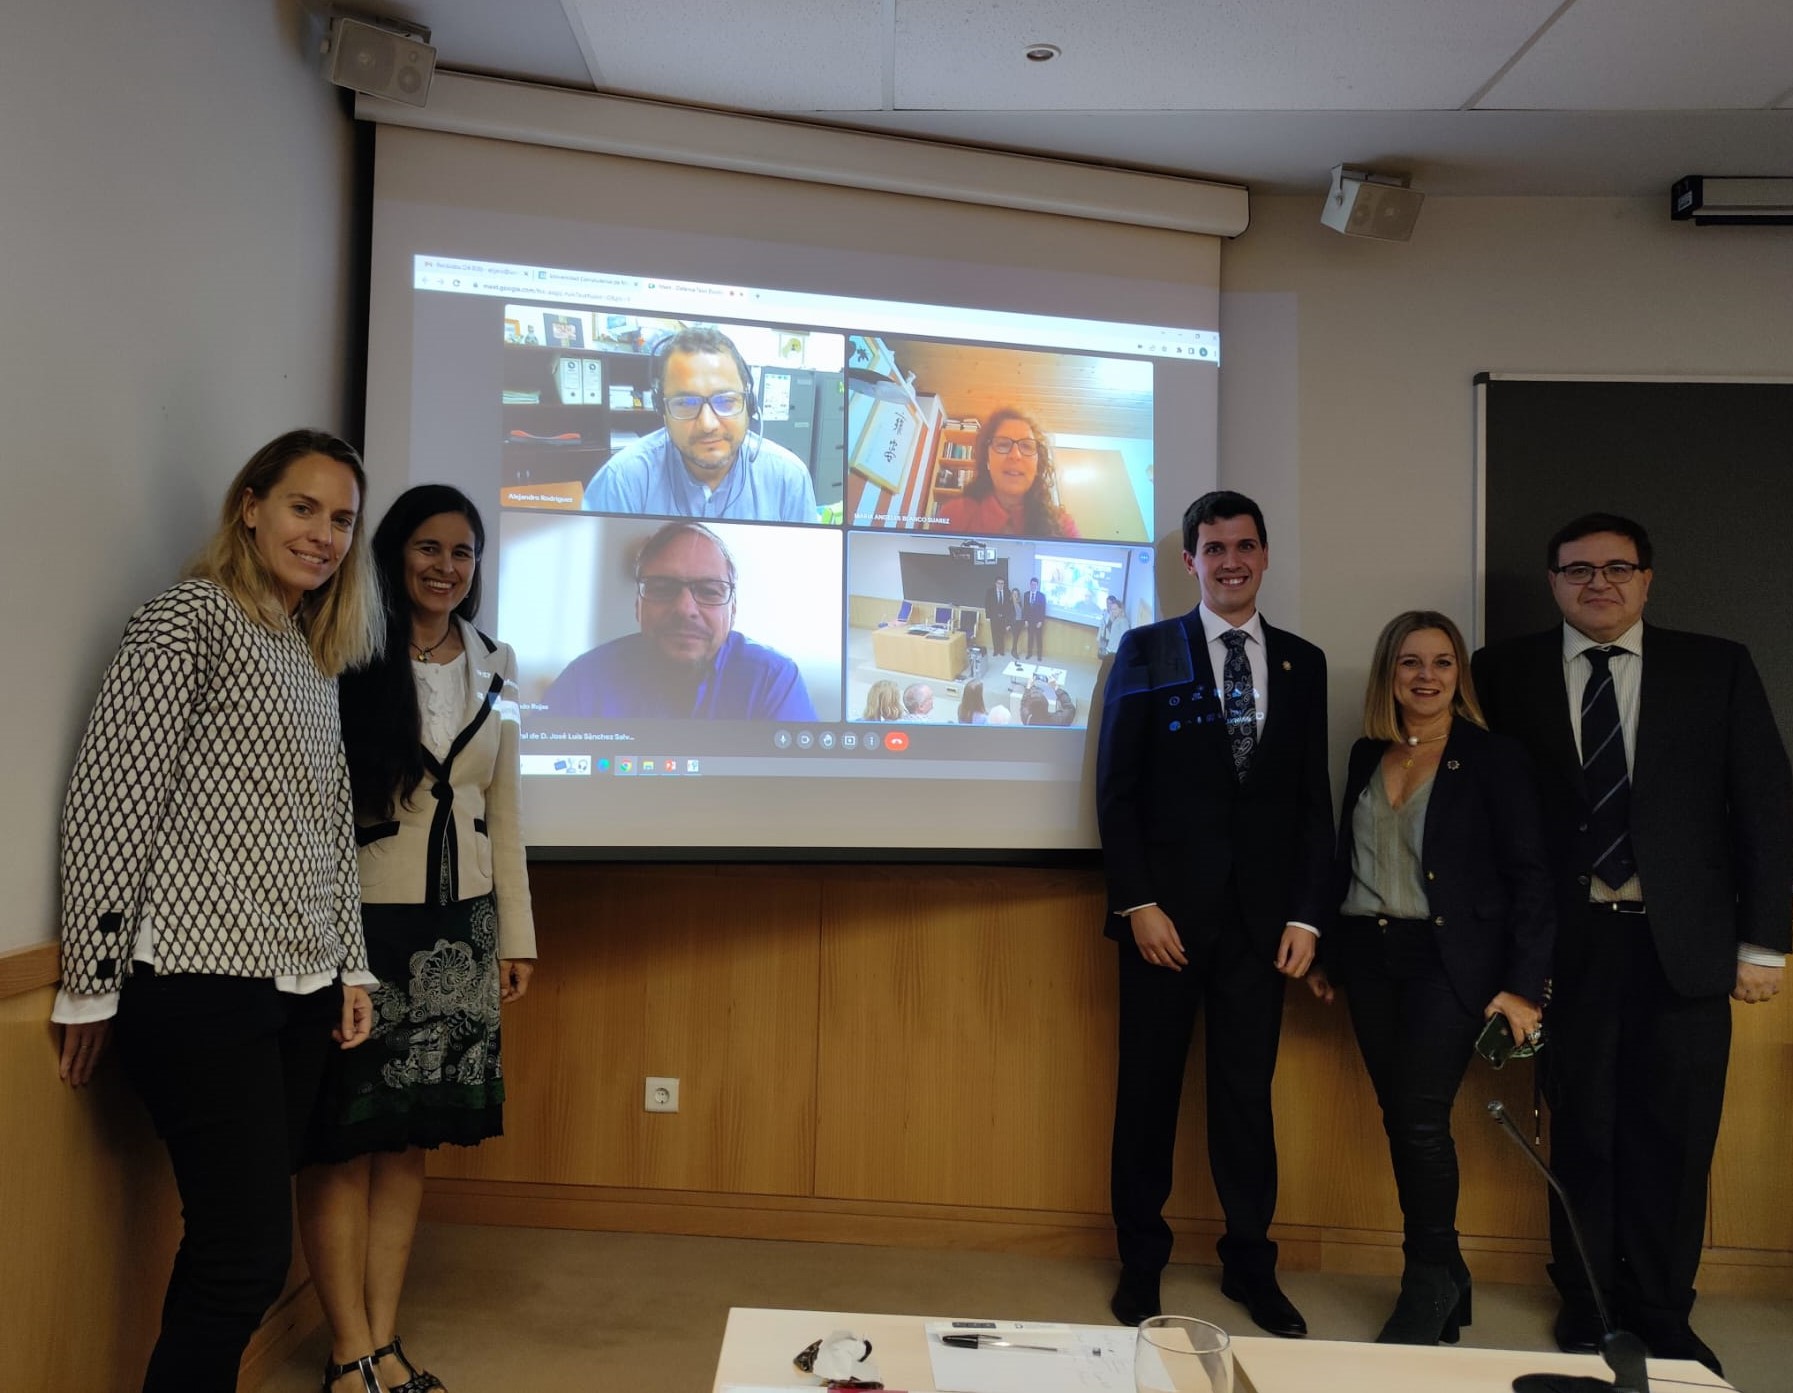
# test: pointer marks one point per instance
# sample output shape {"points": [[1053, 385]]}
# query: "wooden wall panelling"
{"points": [[967, 1038], [1752, 1174], [91, 1219], [707, 974], [90, 1216]]}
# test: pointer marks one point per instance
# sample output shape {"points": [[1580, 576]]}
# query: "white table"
{"points": [[758, 1344]]}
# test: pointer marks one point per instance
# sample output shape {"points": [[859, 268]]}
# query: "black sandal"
{"points": [[370, 1382], [417, 1380]]}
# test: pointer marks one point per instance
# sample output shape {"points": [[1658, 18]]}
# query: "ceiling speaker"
{"points": [[366, 58], [1362, 204]]}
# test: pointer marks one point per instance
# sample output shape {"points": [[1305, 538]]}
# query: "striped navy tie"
{"points": [[1608, 778]]}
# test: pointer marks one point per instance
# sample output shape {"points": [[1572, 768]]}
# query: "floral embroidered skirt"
{"points": [[430, 1073]]}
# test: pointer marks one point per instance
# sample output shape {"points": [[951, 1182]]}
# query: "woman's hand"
{"points": [[82, 1046], [1523, 1018], [357, 1018], [513, 978], [1320, 984]]}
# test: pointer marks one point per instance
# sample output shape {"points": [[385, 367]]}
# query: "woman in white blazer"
{"points": [[431, 730]]}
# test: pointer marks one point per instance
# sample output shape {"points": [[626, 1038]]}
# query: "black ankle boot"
{"points": [[1460, 1275], [1426, 1311]]}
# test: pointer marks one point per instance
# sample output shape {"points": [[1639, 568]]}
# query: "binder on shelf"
{"points": [[569, 380], [594, 381]]}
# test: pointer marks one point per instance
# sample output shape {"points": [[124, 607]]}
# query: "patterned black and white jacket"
{"points": [[209, 811]]}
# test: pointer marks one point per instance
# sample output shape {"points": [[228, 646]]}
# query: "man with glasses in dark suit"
{"points": [[686, 660], [1669, 806]]}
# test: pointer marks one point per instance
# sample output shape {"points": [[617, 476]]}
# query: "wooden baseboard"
{"points": [[1304, 1248], [287, 1327]]}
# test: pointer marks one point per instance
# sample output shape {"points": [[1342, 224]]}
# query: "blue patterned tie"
{"points": [[1608, 778], [1239, 701]]}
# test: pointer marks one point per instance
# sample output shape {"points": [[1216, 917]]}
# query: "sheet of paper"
{"points": [[1086, 1359]]}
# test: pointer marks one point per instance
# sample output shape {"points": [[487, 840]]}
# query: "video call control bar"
{"points": [[836, 765]]}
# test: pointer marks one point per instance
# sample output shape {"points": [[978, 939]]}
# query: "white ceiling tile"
{"points": [[1206, 54], [530, 39], [765, 55], [1655, 55]]}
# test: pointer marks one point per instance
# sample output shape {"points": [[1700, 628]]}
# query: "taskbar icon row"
{"points": [[804, 738], [654, 766]]}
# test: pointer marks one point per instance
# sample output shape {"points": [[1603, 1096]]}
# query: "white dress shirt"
{"points": [[1627, 669]]}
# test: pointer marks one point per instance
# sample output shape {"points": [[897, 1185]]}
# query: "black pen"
{"points": [[993, 1342]]}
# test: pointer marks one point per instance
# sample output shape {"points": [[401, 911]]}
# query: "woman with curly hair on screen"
{"points": [[1013, 492]]}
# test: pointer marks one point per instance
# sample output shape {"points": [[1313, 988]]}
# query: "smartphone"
{"points": [[1495, 1044]]}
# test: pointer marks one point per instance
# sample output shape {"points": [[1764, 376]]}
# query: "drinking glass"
{"points": [[1180, 1354]]}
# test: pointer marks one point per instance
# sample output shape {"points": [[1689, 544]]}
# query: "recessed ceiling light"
{"points": [[1042, 53]]}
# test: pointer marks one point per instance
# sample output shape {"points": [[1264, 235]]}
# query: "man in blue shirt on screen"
{"points": [[704, 462], [686, 661]]}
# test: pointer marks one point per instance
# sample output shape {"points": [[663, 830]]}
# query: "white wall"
{"points": [[175, 222], [1346, 401]]}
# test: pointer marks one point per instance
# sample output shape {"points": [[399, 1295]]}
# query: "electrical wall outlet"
{"points": [[662, 1095]]}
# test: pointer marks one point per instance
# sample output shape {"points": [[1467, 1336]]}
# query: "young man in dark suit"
{"points": [[1033, 608], [1215, 813], [999, 606], [1669, 813]]}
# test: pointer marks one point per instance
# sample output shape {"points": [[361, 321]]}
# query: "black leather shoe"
{"points": [[1135, 1297], [1269, 1309], [1578, 1331]]}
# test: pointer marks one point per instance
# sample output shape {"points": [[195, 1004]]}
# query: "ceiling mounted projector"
{"points": [[382, 62], [1362, 204], [1704, 200]]}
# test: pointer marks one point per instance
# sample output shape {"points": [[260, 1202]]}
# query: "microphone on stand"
{"points": [[1623, 1352]]}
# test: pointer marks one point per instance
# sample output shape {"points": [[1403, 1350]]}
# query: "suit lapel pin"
{"points": [[1287, 666], [1452, 764]]}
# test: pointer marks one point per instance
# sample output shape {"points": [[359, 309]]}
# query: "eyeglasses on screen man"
{"points": [[686, 408], [665, 590]]}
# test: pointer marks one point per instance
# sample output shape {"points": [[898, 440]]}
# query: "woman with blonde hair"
{"points": [[211, 921], [884, 702], [1445, 921]]}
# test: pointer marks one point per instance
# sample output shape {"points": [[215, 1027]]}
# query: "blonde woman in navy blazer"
{"points": [[431, 729], [1445, 920]]}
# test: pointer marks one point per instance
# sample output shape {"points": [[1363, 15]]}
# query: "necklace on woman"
{"points": [[423, 654], [1414, 740]]}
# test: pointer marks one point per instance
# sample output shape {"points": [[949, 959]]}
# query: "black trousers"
{"points": [[1635, 1077], [1240, 996], [228, 1068], [1416, 1038], [999, 632], [1036, 639]]}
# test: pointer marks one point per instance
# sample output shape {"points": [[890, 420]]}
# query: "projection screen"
{"points": [[805, 505]]}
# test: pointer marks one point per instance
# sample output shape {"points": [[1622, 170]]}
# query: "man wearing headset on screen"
{"points": [[686, 661], [706, 461]]}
